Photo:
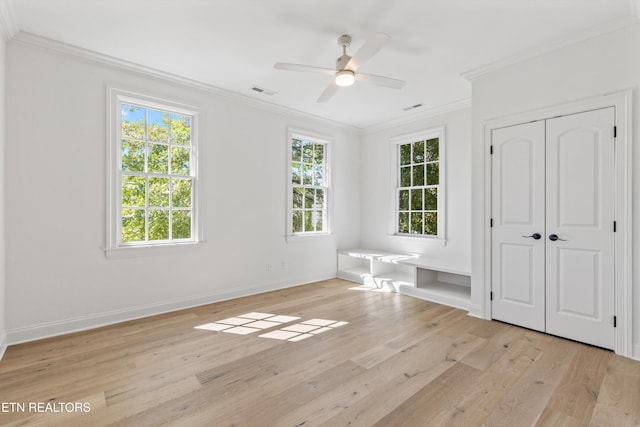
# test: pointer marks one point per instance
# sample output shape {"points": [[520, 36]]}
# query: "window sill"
{"points": [[297, 238], [151, 250], [437, 241]]}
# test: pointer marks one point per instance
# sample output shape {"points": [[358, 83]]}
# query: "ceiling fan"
{"points": [[345, 73]]}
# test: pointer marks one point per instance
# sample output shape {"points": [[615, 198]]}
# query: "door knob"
{"points": [[554, 237], [535, 236]]}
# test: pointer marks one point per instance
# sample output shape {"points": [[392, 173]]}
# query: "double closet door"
{"points": [[553, 201]]}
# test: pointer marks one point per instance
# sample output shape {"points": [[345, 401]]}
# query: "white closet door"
{"points": [[580, 200], [518, 198]]}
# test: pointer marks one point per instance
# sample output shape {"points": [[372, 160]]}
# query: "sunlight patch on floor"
{"points": [[249, 323]]}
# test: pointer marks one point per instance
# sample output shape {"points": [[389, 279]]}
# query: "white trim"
{"points": [[623, 102], [3, 344], [77, 324], [417, 116], [317, 138], [534, 51], [92, 56], [114, 98], [636, 352], [8, 22]]}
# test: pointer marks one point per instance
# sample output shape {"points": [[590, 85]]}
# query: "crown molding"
{"points": [[8, 22], [95, 57], [542, 49], [416, 116]]}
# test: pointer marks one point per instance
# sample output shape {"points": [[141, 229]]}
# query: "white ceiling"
{"points": [[233, 44]]}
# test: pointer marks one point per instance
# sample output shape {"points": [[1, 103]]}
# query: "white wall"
{"points": [[378, 181], [58, 278], [594, 67], [3, 335]]}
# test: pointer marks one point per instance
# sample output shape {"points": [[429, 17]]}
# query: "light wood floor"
{"points": [[399, 361]]}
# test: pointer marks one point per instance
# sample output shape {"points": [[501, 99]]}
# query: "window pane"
{"points": [[132, 118], [318, 154], [431, 199], [298, 194], [181, 197], [133, 225], [296, 150], [158, 126], [416, 200], [307, 152], [431, 223], [405, 176], [132, 156], [158, 224], [416, 222], [307, 173], [403, 222], [316, 219], [431, 150], [158, 191], [308, 221], [297, 221], [319, 203], [181, 224], [180, 129], [403, 200], [418, 152], [133, 190], [295, 173], [405, 154], [158, 159], [433, 174], [418, 175], [318, 178], [308, 198], [180, 161]]}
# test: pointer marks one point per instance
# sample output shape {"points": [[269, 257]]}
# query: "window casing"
{"points": [[308, 185], [419, 192], [153, 168]]}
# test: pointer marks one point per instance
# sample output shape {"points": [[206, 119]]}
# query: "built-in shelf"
{"points": [[412, 275]]}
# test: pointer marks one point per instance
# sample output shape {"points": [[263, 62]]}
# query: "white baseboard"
{"points": [[476, 311], [636, 352], [77, 324], [3, 343]]}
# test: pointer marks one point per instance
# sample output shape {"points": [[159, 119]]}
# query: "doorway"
{"points": [[553, 225]]}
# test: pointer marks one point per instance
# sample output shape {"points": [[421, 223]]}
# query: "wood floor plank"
{"points": [[398, 361]]}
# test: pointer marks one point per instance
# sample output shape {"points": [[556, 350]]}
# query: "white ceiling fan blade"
{"points": [[367, 51], [380, 81], [305, 68], [328, 92]]}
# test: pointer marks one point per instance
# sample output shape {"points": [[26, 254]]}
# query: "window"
{"points": [[420, 188], [154, 160], [308, 185]]}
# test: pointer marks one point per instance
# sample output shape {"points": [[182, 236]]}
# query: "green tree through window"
{"points": [[156, 175], [308, 186], [419, 184]]}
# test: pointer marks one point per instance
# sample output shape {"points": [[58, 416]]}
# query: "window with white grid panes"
{"points": [[156, 174], [418, 202], [309, 186]]}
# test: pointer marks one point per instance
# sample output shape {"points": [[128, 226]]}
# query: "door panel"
{"points": [[580, 211], [518, 210]]}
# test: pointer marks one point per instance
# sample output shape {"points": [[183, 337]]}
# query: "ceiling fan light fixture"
{"points": [[345, 78]]}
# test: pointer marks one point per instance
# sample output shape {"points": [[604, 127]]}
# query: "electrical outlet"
{"points": [[285, 264], [269, 267]]}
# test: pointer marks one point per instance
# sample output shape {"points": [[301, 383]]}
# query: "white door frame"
{"points": [[622, 101]]}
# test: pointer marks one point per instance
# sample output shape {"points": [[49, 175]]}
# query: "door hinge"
{"points": [[491, 295], [615, 321], [491, 149], [615, 131], [491, 222], [615, 226]]}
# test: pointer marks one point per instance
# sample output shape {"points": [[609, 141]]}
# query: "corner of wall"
{"points": [[3, 344]]}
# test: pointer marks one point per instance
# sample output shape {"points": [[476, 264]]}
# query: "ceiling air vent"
{"points": [[412, 107], [262, 90]]}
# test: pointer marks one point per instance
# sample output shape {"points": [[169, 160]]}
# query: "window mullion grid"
{"points": [[169, 144]]}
